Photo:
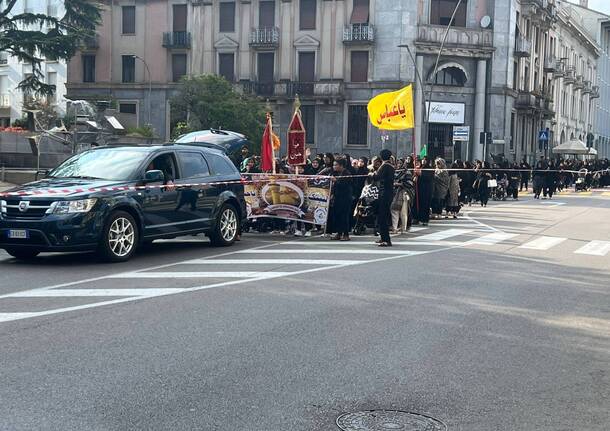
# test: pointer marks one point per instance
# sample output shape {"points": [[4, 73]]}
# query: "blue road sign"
{"points": [[543, 135]]}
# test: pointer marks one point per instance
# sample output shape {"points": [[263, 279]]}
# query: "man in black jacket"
{"points": [[385, 176]]}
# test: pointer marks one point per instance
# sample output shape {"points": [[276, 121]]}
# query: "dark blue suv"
{"points": [[112, 199]]}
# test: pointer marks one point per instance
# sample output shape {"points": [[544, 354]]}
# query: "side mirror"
{"points": [[41, 173], [154, 176]]}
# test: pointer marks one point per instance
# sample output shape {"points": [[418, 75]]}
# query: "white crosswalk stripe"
{"points": [[329, 262], [595, 248], [58, 293], [493, 238], [235, 274], [316, 251], [543, 243], [444, 234]]}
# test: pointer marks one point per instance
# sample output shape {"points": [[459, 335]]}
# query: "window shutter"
{"points": [[226, 66], [178, 66], [307, 14], [307, 66], [360, 66], [129, 19], [179, 11], [266, 14], [227, 17], [360, 13]]}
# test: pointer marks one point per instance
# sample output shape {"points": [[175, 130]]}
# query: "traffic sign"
{"points": [[543, 135], [461, 133]]}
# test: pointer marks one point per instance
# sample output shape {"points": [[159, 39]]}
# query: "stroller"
{"points": [[581, 182], [500, 192], [366, 209]]}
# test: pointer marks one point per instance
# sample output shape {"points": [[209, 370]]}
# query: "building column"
{"points": [[479, 110], [419, 111]]}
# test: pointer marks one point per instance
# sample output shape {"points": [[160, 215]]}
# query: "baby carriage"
{"points": [[366, 209], [499, 193], [581, 182]]}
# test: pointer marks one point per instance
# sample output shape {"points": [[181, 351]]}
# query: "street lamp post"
{"points": [[426, 117], [149, 85]]}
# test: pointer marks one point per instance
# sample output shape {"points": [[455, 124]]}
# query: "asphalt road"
{"points": [[499, 321]]}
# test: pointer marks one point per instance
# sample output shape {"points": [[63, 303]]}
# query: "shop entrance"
{"points": [[440, 142]]}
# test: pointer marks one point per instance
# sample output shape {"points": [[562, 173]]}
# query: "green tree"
{"points": [[34, 37], [210, 102]]}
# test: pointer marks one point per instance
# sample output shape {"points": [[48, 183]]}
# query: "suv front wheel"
{"points": [[120, 237], [227, 227]]}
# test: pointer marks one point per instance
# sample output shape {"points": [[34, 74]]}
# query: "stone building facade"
{"points": [[494, 74]]}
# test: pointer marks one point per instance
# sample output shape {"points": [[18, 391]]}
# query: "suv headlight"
{"points": [[2, 206], [71, 207]]}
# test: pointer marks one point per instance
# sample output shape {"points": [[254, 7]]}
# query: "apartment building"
{"points": [[494, 74], [12, 71]]}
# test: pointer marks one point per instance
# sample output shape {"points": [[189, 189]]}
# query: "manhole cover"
{"points": [[384, 420]]}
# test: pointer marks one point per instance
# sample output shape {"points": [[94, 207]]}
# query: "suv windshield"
{"points": [[112, 164]]}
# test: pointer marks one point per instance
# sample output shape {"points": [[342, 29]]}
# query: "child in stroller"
{"points": [[581, 182], [499, 193]]}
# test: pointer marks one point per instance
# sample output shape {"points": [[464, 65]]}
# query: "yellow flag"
{"points": [[392, 111]]}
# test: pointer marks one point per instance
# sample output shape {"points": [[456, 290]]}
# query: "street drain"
{"points": [[384, 420]]}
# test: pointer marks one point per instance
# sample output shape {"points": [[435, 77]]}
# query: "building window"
{"points": [[129, 19], [226, 66], [127, 108], [307, 14], [3, 57], [450, 76], [179, 17], [266, 14], [88, 68], [52, 80], [227, 17], [442, 10], [360, 13], [265, 67], [178, 66], [357, 126], [359, 66], [129, 68], [308, 114]]}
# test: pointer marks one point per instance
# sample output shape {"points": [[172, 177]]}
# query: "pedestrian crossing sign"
{"points": [[543, 135]]}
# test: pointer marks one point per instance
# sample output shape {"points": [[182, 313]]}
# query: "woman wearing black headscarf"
{"points": [[385, 176], [341, 200], [425, 185]]}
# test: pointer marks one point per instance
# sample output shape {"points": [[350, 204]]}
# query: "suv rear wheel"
{"points": [[227, 227], [120, 237], [22, 253]]}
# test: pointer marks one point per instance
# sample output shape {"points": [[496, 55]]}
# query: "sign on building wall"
{"points": [[461, 133], [447, 113]]}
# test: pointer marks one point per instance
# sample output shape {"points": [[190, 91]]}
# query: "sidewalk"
{"points": [[5, 186]]}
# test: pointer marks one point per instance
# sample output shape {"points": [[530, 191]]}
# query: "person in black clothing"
{"points": [[425, 185], [525, 174], [385, 176], [341, 200]]}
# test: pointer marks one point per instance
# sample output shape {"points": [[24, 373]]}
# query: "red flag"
{"points": [[267, 146], [296, 140]]}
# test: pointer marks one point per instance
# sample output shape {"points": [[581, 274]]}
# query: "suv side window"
{"points": [[220, 165], [193, 165], [167, 164]]}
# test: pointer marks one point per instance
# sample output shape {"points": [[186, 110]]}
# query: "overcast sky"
{"points": [[599, 5]]}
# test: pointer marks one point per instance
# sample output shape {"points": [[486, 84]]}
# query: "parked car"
{"points": [[229, 142], [113, 199]]}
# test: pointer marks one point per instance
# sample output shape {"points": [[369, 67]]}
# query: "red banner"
{"points": [[296, 141]]}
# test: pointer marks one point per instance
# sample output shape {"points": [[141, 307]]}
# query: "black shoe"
{"points": [[384, 244]]}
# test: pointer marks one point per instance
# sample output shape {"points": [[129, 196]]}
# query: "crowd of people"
{"points": [[389, 194]]}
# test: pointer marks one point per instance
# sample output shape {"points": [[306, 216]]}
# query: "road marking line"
{"points": [[92, 292], [449, 233], [237, 274], [595, 248], [332, 251], [7, 317], [493, 238], [606, 194], [270, 262], [394, 243], [543, 243]]}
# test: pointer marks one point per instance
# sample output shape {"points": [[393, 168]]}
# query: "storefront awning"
{"points": [[448, 65], [573, 146]]}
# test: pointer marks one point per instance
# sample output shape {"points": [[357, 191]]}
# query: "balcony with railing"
{"points": [[588, 87], [91, 43], [523, 47], [265, 89], [550, 64], [177, 39], [570, 75], [265, 37], [526, 100], [5, 100], [430, 37], [358, 34], [594, 92], [579, 83], [560, 69]]}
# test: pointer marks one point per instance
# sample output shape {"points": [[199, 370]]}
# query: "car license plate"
{"points": [[18, 234]]}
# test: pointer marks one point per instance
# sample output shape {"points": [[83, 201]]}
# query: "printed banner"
{"points": [[293, 197]]}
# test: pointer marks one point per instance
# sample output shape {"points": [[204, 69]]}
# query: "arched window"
{"points": [[450, 76]]}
